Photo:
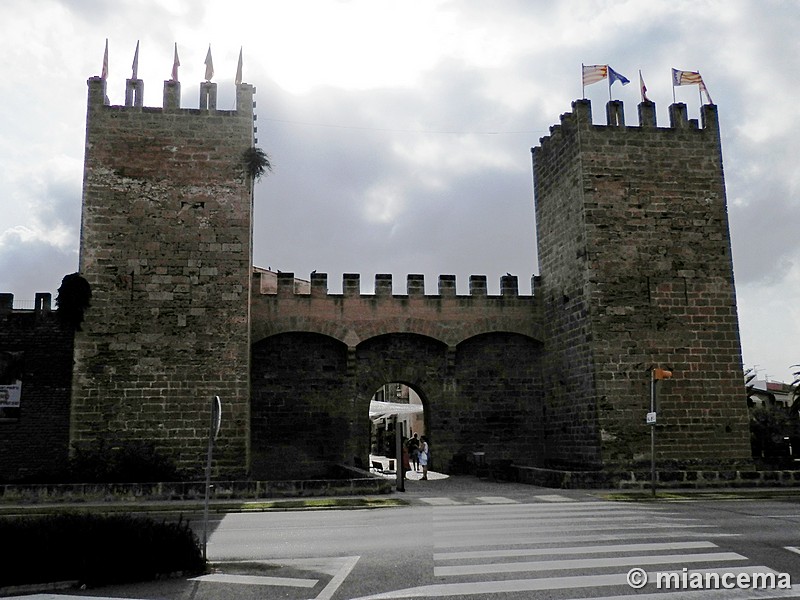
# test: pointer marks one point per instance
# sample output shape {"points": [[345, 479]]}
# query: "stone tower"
{"points": [[636, 268], [166, 245]]}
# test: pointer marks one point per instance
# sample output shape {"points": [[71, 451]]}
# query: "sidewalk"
{"points": [[464, 489]]}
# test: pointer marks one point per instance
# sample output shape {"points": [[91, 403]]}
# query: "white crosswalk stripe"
{"points": [[563, 548]]}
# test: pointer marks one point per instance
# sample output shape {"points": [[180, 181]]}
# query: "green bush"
{"points": [[94, 549]]}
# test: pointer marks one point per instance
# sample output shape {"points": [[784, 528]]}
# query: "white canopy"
{"points": [[381, 410]]}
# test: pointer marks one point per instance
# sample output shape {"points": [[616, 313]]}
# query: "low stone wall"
{"points": [[641, 479], [360, 483]]}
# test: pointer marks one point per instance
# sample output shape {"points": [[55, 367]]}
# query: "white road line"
{"points": [[348, 563], [506, 540], [443, 501], [256, 580], [553, 498], [486, 520], [551, 550], [445, 535], [496, 500], [585, 563], [576, 506], [584, 581]]}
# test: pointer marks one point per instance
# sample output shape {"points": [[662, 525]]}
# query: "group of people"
{"points": [[416, 452]]}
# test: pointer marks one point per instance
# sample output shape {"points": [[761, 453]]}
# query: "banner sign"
{"points": [[10, 395]]}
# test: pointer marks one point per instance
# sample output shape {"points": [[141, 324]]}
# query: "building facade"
{"points": [[635, 273]]}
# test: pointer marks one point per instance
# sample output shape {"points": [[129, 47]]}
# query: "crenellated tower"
{"points": [[636, 268], [166, 245]]}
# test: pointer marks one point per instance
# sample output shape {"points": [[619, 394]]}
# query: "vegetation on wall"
{"points": [[256, 162], [73, 299]]}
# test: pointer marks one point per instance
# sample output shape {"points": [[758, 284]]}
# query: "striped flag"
{"points": [[175, 64], [690, 78], [594, 73]]}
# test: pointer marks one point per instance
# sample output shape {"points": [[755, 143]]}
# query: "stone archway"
{"points": [[311, 395], [300, 414], [418, 361]]}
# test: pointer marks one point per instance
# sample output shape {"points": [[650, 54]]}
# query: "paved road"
{"points": [[493, 541]]}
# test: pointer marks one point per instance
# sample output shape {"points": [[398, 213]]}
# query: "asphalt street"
{"points": [[469, 538]]}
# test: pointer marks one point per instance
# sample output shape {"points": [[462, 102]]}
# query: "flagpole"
{"points": [[583, 84], [609, 86]]}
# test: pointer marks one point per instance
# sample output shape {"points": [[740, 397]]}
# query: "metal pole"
{"points": [[398, 453], [213, 430], [652, 435]]}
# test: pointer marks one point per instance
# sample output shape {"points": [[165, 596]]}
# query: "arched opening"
{"points": [[395, 408]]}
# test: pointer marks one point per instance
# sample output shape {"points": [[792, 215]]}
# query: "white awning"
{"points": [[382, 410]]}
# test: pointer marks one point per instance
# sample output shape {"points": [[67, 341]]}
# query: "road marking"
{"points": [[496, 500], [348, 562], [256, 580], [577, 506], [794, 549], [585, 563], [584, 581], [554, 498], [528, 530], [493, 522], [442, 501], [505, 539], [550, 550]]}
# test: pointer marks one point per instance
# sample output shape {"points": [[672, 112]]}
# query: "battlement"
{"points": [[581, 116], [41, 305], [134, 90], [286, 284]]}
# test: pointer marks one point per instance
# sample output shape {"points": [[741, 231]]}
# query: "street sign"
{"points": [[216, 411], [651, 418]]}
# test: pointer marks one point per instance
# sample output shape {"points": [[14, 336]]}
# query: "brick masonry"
{"points": [[318, 358], [166, 248], [636, 271], [36, 441]]}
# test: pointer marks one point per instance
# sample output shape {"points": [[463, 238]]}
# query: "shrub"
{"points": [[94, 549]]}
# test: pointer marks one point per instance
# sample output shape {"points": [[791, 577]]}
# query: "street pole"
{"points": [[398, 453], [653, 434], [213, 431], [656, 375]]}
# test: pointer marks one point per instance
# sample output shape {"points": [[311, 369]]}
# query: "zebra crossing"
{"points": [[579, 549]]}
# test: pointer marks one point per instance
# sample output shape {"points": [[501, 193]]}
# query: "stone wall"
{"points": [[34, 441], [474, 360], [166, 248], [636, 263]]}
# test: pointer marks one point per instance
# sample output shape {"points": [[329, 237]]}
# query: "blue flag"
{"points": [[614, 76]]}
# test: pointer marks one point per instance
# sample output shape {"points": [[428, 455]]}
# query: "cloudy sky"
{"points": [[400, 132]]}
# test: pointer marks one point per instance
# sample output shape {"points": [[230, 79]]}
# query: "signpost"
{"points": [[213, 432], [656, 375]]}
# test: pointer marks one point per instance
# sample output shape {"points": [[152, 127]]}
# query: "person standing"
{"points": [[424, 456], [413, 451]]}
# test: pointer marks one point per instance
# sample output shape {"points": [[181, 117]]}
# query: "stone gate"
{"points": [[318, 358], [635, 272]]}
